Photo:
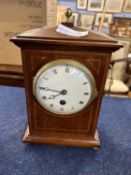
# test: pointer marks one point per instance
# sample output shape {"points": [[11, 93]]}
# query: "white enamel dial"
{"points": [[64, 87]]}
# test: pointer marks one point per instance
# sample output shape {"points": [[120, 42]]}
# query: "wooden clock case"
{"points": [[41, 46]]}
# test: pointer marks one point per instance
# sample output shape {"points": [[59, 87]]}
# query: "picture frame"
{"points": [[107, 19], [127, 6], [120, 27], [74, 18], [87, 21], [82, 4], [95, 5], [114, 6], [122, 22]]}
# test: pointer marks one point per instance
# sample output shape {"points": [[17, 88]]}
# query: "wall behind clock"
{"points": [[73, 5]]}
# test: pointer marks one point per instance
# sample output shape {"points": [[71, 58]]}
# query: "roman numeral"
{"points": [[81, 102], [45, 78], [55, 71], [85, 83], [86, 93], [67, 69], [62, 109], [44, 97], [41, 88], [51, 105]]}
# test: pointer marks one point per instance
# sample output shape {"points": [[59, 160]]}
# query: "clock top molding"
{"points": [[49, 36]]}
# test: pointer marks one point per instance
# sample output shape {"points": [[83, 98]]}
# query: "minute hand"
{"points": [[48, 89]]}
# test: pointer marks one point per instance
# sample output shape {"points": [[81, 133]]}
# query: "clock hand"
{"points": [[63, 92], [48, 89], [53, 96]]}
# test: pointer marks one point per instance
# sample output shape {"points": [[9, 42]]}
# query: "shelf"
{"points": [[11, 75]]}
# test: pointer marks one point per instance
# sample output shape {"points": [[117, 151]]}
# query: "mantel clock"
{"points": [[64, 84]]}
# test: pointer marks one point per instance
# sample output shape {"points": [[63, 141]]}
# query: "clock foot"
{"points": [[63, 139], [96, 148]]}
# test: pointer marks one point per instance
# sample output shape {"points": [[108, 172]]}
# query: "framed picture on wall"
{"points": [[127, 6], [121, 27], [75, 18], [82, 4], [87, 21], [95, 5], [107, 19], [114, 6]]}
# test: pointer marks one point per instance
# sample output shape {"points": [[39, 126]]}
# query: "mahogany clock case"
{"points": [[39, 48]]}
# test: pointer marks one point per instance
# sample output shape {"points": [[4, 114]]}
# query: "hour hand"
{"points": [[52, 97]]}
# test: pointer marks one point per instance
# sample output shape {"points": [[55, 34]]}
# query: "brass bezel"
{"points": [[77, 64]]}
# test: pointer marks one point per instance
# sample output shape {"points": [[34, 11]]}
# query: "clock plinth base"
{"points": [[63, 139]]}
